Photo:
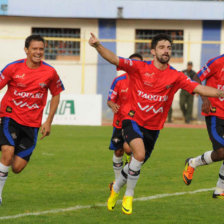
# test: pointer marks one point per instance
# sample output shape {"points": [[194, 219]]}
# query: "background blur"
{"points": [[123, 26]]}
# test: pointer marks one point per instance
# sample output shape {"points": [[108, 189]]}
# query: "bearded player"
{"points": [[152, 87]]}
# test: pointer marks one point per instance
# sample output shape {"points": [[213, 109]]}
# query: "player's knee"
{"points": [[119, 152], [16, 170], [218, 155]]}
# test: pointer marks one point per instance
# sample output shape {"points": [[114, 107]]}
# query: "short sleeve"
{"points": [[207, 70], [56, 86], [186, 83], [5, 75], [113, 92], [131, 66]]}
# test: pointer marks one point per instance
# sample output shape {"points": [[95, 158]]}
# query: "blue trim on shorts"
{"points": [[6, 131], [136, 128], [29, 151], [216, 136], [112, 147]]}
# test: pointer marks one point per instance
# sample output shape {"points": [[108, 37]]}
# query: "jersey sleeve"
{"points": [[131, 66], [113, 92], [5, 76], [56, 86], [186, 83], [207, 70]]}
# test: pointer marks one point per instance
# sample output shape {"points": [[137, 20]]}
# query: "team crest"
{"points": [[42, 85]]}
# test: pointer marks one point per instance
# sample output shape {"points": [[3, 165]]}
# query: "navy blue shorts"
{"points": [[132, 130], [215, 127], [117, 139], [23, 138]]}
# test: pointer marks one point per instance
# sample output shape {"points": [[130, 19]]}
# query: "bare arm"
{"points": [[104, 52], [208, 91], [206, 104], [46, 127], [114, 107]]}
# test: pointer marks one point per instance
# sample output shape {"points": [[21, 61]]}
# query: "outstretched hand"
{"points": [[206, 105], [93, 41]]}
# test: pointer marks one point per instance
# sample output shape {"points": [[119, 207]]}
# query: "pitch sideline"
{"points": [[78, 207]]}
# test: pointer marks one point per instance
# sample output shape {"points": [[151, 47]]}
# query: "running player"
{"points": [[28, 81], [213, 110], [117, 97], [152, 87]]}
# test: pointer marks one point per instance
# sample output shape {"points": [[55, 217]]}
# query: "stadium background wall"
{"points": [[89, 74]]}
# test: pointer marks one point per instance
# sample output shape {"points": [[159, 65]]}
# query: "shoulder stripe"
{"points": [[15, 62], [208, 64], [44, 63], [116, 80]]}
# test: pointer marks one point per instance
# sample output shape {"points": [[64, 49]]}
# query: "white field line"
{"points": [[78, 207]]}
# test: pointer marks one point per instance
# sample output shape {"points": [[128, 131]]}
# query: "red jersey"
{"points": [[27, 91], [151, 91], [213, 73], [119, 94]]}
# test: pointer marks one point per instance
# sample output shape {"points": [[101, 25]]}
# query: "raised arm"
{"points": [[104, 52]]}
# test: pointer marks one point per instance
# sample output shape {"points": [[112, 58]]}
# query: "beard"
{"points": [[162, 59]]}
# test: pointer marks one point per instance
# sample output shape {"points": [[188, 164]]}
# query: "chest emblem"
{"points": [[20, 76], [42, 85]]}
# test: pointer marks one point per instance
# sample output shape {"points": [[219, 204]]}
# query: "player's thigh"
{"points": [[215, 128], [116, 142], [134, 137], [150, 138], [26, 143]]}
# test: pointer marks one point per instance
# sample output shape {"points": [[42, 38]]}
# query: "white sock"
{"points": [[202, 160], [133, 175], [3, 176], [122, 179], [220, 183], [117, 165]]}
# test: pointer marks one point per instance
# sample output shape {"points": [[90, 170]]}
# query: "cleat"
{"points": [[112, 200], [111, 185], [188, 172], [219, 196], [127, 205]]}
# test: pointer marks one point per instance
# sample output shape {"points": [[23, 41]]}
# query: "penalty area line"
{"points": [[78, 207]]}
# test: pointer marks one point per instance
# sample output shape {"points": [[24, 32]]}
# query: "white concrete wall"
{"points": [[14, 30]]}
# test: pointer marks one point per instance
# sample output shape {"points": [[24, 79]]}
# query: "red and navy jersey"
{"points": [[27, 91], [213, 73], [151, 91], [119, 94]]}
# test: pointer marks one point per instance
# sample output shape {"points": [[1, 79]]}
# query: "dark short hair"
{"points": [[159, 37], [33, 37], [190, 63], [136, 55]]}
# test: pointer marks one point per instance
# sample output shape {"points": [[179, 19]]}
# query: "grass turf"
{"points": [[73, 167]]}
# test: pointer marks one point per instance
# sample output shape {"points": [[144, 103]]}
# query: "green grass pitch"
{"points": [[73, 166]]}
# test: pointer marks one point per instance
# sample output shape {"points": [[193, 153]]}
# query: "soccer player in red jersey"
{"points": [[152, 86], [28, 81], [213, 110], [117, 99]]}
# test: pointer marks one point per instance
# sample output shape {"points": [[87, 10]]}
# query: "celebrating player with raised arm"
{"points": [[213, 110], [152, 87], [28, 81]]}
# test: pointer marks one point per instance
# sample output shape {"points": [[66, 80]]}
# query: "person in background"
{"points": [[187, 99]]}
